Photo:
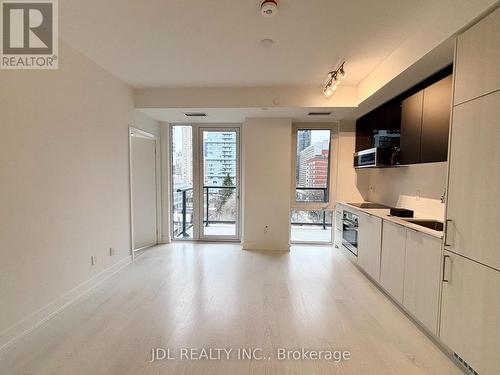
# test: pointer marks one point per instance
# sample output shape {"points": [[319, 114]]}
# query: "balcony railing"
{"points": [[311, 194], [214, 199], [323, 222], [183, 208]]}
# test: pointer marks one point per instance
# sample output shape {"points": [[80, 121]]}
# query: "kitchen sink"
{"points": [[431, 224]]}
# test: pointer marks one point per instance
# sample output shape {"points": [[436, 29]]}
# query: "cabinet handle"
{"points": [[445, 278], [447, 222]]}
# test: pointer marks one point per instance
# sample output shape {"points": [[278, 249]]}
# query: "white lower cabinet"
{"points": [[337, 240], [339, 217], [393, 259], [470, 313], [422, 278], [406, 263], [369, 244]]}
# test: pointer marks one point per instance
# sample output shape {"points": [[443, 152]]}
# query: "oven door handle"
{"points": [[350, 224]]}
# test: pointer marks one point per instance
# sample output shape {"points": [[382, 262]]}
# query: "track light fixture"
{"points": [[333, 79]]}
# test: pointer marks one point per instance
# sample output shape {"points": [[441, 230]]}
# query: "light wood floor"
{"points": [[211, 295]]}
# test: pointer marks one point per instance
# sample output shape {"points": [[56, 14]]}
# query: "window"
{"points": [[312, 172], [311, 215]]}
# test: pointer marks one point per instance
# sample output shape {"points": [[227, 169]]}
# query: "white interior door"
{"points": [[143, 189], [219, 196]]}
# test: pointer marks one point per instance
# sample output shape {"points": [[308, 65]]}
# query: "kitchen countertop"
{"points": [[385, 215]]}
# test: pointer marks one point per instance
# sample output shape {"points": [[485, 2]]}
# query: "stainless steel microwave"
{"points": [[377, 157]]}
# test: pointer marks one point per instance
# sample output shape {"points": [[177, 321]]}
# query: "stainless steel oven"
{"points": [[350, 232]]}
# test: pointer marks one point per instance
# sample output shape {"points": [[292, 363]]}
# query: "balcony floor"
{"points": [[311, 233], [215, 230], [219, 230], [299, 233]]}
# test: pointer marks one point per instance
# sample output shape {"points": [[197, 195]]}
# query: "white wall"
{"points": [[266, 178], [418, 187], [347, 189], [64, 183], [146, 123]]}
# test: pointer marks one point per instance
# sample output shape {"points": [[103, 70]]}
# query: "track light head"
{"points": [[333, 80]]}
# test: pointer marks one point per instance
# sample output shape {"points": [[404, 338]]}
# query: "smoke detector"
{"points": [[269, 8]]}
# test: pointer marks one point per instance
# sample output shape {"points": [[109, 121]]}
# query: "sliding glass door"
{"points": [[205, 182]]}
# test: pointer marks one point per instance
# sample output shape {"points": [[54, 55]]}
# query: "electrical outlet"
{"points": [[93, 260], [111, 251], [266, 229]]}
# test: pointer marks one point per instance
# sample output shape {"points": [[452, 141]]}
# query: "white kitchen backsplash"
{"points": [[416, 187], [422, 207]]}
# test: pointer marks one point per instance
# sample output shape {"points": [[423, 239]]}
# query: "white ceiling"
{"points": [[214, 43], [238, 115]]}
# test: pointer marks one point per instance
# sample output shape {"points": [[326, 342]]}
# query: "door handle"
{"points": [[445, 278], [447, 222]]}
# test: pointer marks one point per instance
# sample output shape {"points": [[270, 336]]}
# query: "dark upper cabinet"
{"points": [[417, 120], [425, 121], [393, 116], [386, 117], [436, 121], [411, 128], [364, 133]]}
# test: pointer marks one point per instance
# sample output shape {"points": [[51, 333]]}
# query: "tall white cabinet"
{"points": [[476, 64], [474, 191], [470, 313], [470, 306]]}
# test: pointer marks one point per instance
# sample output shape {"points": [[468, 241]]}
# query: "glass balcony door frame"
{"points": [[329, 204], [198, 191], [171, 189], [201, 188]]}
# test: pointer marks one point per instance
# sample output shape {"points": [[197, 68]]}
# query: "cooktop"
{"points": [[369, 205]]}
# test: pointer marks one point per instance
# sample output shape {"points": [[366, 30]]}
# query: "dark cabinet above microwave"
{"points": [[379, 128], [425, 122], [417, 122]]}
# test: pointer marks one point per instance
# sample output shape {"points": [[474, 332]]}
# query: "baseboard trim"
{"points": [[254, 246], [37, 318]]}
